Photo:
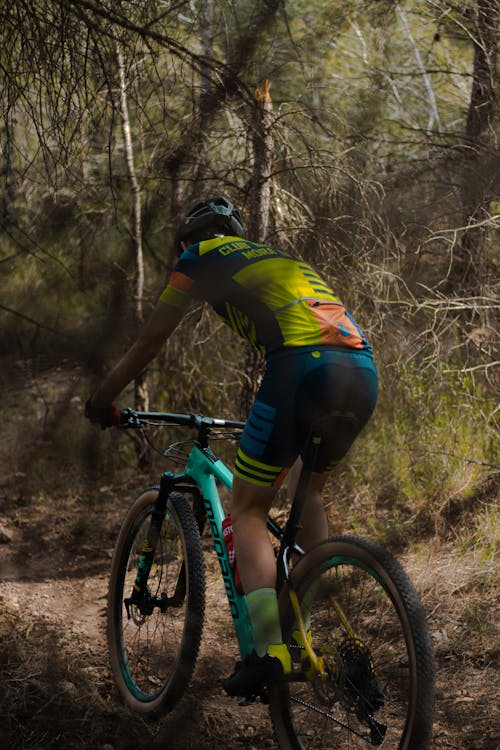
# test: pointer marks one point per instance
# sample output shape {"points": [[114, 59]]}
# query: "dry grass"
{"points": [[460, 593]]}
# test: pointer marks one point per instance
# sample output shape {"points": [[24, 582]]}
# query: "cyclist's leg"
{"points": [[255, 555], [336, 394], [272, 439], [269, 446], [334, 400], [267, 449], [256, 561], [257, 569], [254, 552], [314, 529]]}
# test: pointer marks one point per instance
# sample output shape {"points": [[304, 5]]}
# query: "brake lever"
{"points": [[128, 419]]}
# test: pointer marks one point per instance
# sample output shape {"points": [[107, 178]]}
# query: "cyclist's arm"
{"points": [[153, 334]]}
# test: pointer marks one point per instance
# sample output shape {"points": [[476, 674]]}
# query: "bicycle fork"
{"points": [[140, 596]]}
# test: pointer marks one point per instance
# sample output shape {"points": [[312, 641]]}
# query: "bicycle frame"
{"points": [[204, 468], [202, 471]]}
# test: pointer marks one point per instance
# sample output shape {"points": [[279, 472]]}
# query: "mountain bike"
{"points": [[363, 670]]}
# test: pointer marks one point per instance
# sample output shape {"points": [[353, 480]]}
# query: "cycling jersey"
{"points": [[269, 297], [319, 364]]}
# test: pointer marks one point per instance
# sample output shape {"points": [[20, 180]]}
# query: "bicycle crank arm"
{"points": [[377, 730]]}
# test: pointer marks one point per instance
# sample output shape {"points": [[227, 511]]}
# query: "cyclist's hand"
{"points": [[106, 416]]}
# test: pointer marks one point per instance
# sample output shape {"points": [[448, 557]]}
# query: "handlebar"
{"points": [[134, 419]]}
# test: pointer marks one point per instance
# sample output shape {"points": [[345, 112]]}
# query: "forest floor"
{"points": [[56, 689]]}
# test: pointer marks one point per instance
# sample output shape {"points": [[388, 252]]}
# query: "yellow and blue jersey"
{"points": [[269, 297]]}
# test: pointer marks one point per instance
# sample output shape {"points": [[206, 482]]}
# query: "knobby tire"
{"points": [[379, 684], [153, 656]]}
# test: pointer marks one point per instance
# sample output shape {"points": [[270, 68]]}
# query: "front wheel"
{"points": [[369, 629], [153, 645]]}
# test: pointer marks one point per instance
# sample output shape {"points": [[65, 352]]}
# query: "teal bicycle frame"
{"points": [[201, 473], [204, 469]]}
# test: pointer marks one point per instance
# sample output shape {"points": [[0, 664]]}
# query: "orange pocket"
{"points": [[336, 327]]}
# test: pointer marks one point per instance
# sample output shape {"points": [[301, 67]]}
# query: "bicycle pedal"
{"points": [[248, 700], [244, 700]]}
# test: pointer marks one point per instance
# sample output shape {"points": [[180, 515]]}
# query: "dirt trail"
{"points": [[56, 690]]}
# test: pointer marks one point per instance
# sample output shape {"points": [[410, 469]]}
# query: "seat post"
{"points": [[293, 525]]}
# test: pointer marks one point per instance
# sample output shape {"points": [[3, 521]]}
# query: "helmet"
{"points": [[216, 212]]}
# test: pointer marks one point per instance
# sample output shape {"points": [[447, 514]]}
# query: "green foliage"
{"points": [[428, 453]]}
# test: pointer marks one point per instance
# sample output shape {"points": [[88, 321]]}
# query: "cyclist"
{"points": [[319, 370]]}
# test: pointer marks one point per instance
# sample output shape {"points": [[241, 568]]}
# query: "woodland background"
{"points": [[362, 135]]}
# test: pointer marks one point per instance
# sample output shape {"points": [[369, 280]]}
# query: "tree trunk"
{"points": [[260, 204], [206, 111], [216, 94], [263, 147], [141, 392], [482, 157], [141, 396]]}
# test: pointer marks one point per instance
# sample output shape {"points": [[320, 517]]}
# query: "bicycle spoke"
{"points": [[368, 650], [154, 635], [150, 652]]}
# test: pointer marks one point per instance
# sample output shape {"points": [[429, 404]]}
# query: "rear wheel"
{"points": [[153, 645], [369, 628]]}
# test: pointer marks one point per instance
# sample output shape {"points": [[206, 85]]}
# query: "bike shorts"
{"points": [[306, 391]]}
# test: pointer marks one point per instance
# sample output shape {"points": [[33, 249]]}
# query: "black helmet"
{"points": [[216, 212]]}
